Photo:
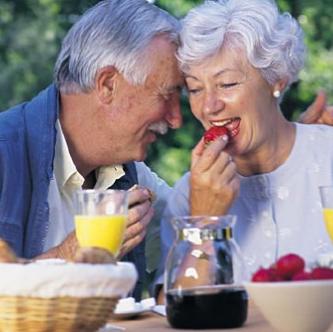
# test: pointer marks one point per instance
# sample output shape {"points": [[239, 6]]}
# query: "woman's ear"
{"points": [[279, 87], [106, 83]]}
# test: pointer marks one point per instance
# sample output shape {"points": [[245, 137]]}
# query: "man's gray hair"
{"points": [[273, 42], [112, 33]]}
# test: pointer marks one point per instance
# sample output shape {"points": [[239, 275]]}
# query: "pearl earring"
{"points": [[277, 93]]}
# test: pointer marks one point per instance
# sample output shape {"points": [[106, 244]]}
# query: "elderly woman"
{"points": [[239, 57]]}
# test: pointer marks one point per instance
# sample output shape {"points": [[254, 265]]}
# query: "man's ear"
{"points": [[105, 83]]}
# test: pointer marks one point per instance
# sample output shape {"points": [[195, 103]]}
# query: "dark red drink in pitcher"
{"points": [[204, 308]]}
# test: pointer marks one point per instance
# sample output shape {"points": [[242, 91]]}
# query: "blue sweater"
{"points": [[27, 142]]}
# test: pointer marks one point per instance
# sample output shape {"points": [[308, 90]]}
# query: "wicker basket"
{"points": [[61, 314], [59, 296]]}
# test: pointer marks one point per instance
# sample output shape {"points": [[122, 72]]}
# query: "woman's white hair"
{"points": [[273, 42], [112, 33]]}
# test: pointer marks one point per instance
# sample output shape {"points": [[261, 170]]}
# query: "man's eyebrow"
{"points": [[176, 87]]}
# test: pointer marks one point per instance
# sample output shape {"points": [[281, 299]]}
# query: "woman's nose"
{"points": [[212, 104]]}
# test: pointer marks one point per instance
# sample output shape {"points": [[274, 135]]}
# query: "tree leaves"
{"points": [[31, 33]]}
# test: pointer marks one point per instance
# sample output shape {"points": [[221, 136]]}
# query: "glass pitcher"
{"points": [[204, 275]]}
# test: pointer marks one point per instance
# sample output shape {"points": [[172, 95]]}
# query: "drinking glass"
{"points": [[326, 195], [100, 218], [204, 274]]}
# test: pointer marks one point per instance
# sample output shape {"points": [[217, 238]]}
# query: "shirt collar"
{"points": [[66, 172], [107, 175]]}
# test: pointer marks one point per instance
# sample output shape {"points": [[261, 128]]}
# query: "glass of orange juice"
{"points": [[100, 218], [326, 195]]}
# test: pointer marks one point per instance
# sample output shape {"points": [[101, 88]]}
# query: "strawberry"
{"points": [[322, 273], [302, 275], [214, 132], [263, 275], [288, 265], [274, 274]]}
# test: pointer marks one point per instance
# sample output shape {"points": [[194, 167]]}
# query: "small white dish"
{"points": [[108, 327], [129, 314], [127, 308], [159, 309]]}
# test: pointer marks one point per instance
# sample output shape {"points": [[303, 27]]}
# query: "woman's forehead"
{"points": [[226, 61]]}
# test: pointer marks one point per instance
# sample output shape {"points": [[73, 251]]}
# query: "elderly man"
{"points": [[116, 87]]}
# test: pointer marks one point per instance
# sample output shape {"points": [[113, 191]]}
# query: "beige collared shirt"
{"points": [[66, 180]]}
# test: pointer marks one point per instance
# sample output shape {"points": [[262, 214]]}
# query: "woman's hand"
{"points": [[214, 183]]}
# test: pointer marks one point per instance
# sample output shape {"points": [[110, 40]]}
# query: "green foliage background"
{"points": [[31, 33]]}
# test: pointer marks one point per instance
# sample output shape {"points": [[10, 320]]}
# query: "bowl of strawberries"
{"points": [[292, 296]]}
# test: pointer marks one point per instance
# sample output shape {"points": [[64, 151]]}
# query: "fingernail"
{"points": [[146, 192], [225, 138], [136, 186]]}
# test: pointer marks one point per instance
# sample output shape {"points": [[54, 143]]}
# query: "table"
{"points": [[153, 322]]}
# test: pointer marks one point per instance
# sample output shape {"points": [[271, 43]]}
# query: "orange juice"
{"points": [[103, 231], [328, 217]]}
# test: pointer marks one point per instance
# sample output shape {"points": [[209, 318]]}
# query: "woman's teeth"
{"points": [[221, 123]]}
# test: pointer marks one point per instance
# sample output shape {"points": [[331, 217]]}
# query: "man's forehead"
{"points": [[167, 77], [169, 84]]}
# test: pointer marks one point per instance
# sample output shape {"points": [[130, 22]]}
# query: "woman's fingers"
{"points": [[209, 155], [214, 182], [216, 171]]}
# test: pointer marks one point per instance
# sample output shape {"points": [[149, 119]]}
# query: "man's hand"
{"points": [[66, 250], [139, 216], [318, 111], [214, 183]]}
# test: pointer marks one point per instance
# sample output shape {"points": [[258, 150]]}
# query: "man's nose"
{"points": [[174, 116]]}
